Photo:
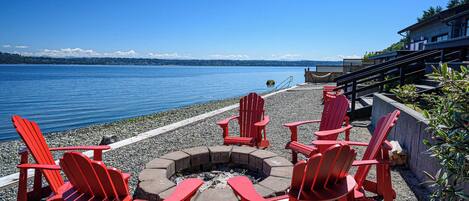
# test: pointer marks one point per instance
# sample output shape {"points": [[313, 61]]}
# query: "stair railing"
{"points": [[399, 69], [286, 83]]}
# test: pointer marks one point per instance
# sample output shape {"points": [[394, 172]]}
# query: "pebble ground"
{"points": [[288, 106]]}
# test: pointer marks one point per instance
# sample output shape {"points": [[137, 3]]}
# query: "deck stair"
{"points": [[360, 85]]}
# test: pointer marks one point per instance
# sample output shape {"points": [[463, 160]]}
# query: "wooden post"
{"points": [[463, 54], [401, 75], [354, 95], [442, 56], [381, 78]]}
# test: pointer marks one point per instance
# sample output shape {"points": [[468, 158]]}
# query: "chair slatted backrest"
{"points": [[383, 127], [93, 178], [334, 113], [32, 136], [251, 111], [81, 174], [323, 170]]}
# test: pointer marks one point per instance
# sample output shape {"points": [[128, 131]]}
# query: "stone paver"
{"points": [[198, 155], [165, 194], [275, 162], [151, 183], [160, 163], [263, 191], [220, 154], [277, 184], [240, 154], [256, 159], [210, 194], [181, 159], [285, 172]]}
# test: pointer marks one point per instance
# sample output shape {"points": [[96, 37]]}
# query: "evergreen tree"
{"points": [[430, 12], [453, 3]]}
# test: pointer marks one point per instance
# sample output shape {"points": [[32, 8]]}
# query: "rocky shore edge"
{"points": [[120, 130]]}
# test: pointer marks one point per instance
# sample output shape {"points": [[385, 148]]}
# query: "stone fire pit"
{"points": [[272, 172]]}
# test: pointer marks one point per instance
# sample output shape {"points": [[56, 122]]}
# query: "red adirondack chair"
{"points": [[323, 177], [334, 115], [376, 153], [328, 92], [37, 146], [252, 123], [92, 180]]}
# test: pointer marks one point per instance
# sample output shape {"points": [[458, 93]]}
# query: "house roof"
{"points": [[446, 14]]}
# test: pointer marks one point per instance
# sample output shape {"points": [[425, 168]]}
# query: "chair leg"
{"points": [[37, 187], [23, 185], [294, 157], [23, 178], [384, 183]]}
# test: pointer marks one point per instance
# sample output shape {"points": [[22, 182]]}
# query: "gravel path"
{"points": [[284, 107]]}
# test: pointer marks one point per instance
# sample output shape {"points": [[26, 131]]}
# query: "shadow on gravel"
{"points": [[420, 192]]}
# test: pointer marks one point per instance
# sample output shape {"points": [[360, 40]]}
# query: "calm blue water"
{"points": [[61, 97]]}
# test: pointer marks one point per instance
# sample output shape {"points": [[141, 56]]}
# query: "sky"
{"points": [[205, 29]]}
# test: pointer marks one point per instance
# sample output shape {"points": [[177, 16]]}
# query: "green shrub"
{"points": [[449, 126], [407, 94]]}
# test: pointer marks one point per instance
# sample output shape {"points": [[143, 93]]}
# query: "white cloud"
{"points": [[129, 53], [6, 46], [286, 56], [21, 46], [229, 56], [79, 52], [349, 56], [173, 55], [68, 52]]}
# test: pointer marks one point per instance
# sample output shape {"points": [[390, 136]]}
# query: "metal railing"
{"points": [[284, 84]]}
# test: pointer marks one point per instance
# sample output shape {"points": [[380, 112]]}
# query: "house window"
{"points": [[439, 38], [418, 45]]}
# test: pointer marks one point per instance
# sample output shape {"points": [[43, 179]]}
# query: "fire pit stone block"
{"points": [[182, 160], [276, 161], [220, 154], [165, 194], [160, 163], [225, 194], [277, 184], [240, 154], [198, 156], [263, 191], [152, 182], [285, 172], [256, 159]]}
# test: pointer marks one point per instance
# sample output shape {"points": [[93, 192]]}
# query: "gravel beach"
{"points": [[288, 106]]}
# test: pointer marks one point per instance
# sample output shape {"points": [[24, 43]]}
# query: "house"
{"points": [[448, 28]]}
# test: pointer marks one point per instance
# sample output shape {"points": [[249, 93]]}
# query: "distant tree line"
{"points": [[8, 58]]}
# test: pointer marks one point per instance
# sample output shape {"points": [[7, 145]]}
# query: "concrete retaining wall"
{"points": [[410, 131]]}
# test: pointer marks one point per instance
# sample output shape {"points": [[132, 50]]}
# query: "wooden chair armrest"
{"points": [[332, 142], [299, 123], [100, 147], [326, 133], [97, 150], [264, 122], [243, 187], [368, 162], [38, 166], [227, 120], [185, 190]]}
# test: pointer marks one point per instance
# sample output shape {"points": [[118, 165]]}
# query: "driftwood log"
{"points": [[397, 155]]}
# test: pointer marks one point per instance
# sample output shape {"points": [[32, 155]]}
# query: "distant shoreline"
{"points": [[8, 58]]}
